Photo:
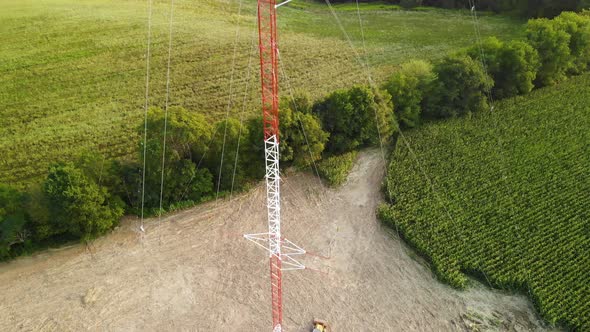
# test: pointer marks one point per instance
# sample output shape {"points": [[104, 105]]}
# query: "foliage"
{"points": [[335, 169], [37, 207], [351, 116], [503, 195], [407, 88], [528, 8], [253, 164], [224, 160], [552, 44], [78, 206], [174, 174], [302, 138], [301, 102], [578, 27], [460, 88], [12, 220], [513, 66]]}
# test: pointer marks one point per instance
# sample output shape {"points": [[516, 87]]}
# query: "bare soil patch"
{"points": [[193, 271]]}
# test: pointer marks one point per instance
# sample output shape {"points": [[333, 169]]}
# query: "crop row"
{"points": [[504, 196]]}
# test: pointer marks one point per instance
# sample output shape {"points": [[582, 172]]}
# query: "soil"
{"points": [[193, 271]]}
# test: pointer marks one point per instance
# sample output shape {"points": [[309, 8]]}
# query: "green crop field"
{"points": [[504, 196], [73, 72]]}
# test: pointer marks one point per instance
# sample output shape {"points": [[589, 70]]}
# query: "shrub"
{"points": [[78, 206], [224, 161], [351, 116], [407, 88], [187, 133], [253, 161], [520, 64], [335, 169], [301, 102], [129, 183], [578, 27], [187, 137], [37, 207], [296, 131], [552, 44], [513, 66], [12, 220], [460, 88]]}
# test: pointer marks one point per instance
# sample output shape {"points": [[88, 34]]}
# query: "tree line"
{"points": [[526, 8], [200, 160]]}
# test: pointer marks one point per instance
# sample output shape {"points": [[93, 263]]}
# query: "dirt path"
{"points": [[194, 272]]}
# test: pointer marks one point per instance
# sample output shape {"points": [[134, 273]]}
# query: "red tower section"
{"points": [[267, 33]]}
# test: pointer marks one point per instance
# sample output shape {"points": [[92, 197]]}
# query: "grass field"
{"points": [[73, 72], [505, 198]]}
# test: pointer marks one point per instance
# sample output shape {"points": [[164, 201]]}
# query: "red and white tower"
{"points": [[280, 250]]}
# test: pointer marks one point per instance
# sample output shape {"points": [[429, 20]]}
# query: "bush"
{"points": [[335, 169], [520, 63], [578, 27], [460, 88], [253, 162], [301, 102], [513, 66], [351, 116], [229, 171], [12, 220], [37, 207], [407, 88], [187, 136], [78, 206], [297, 129], [552, 44], [187, 133]]}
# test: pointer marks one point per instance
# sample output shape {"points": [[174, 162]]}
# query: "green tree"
{"points": [[520, 62], [13, 226], [78, 206], [224, 159], [187, 133], [460, 88], [513, 66], [301, 135], [407, 87], [103, 171], [301, 102], [172, 171], [37, 207], [253, 161], [578, 27], [351, 117], [552, 44], [177, 180]]}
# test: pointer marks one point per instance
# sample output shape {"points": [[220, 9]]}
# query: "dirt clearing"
{"points": [[194, 272]]}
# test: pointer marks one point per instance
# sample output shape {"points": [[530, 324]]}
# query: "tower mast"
{"points": [[280, 250], [267, 32]]}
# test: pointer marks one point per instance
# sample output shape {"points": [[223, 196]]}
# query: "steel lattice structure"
{"points": [[280, 250]]}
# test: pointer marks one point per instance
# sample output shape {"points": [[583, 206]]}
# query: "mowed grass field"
{"points": [[72, 73], [504, 196]]}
